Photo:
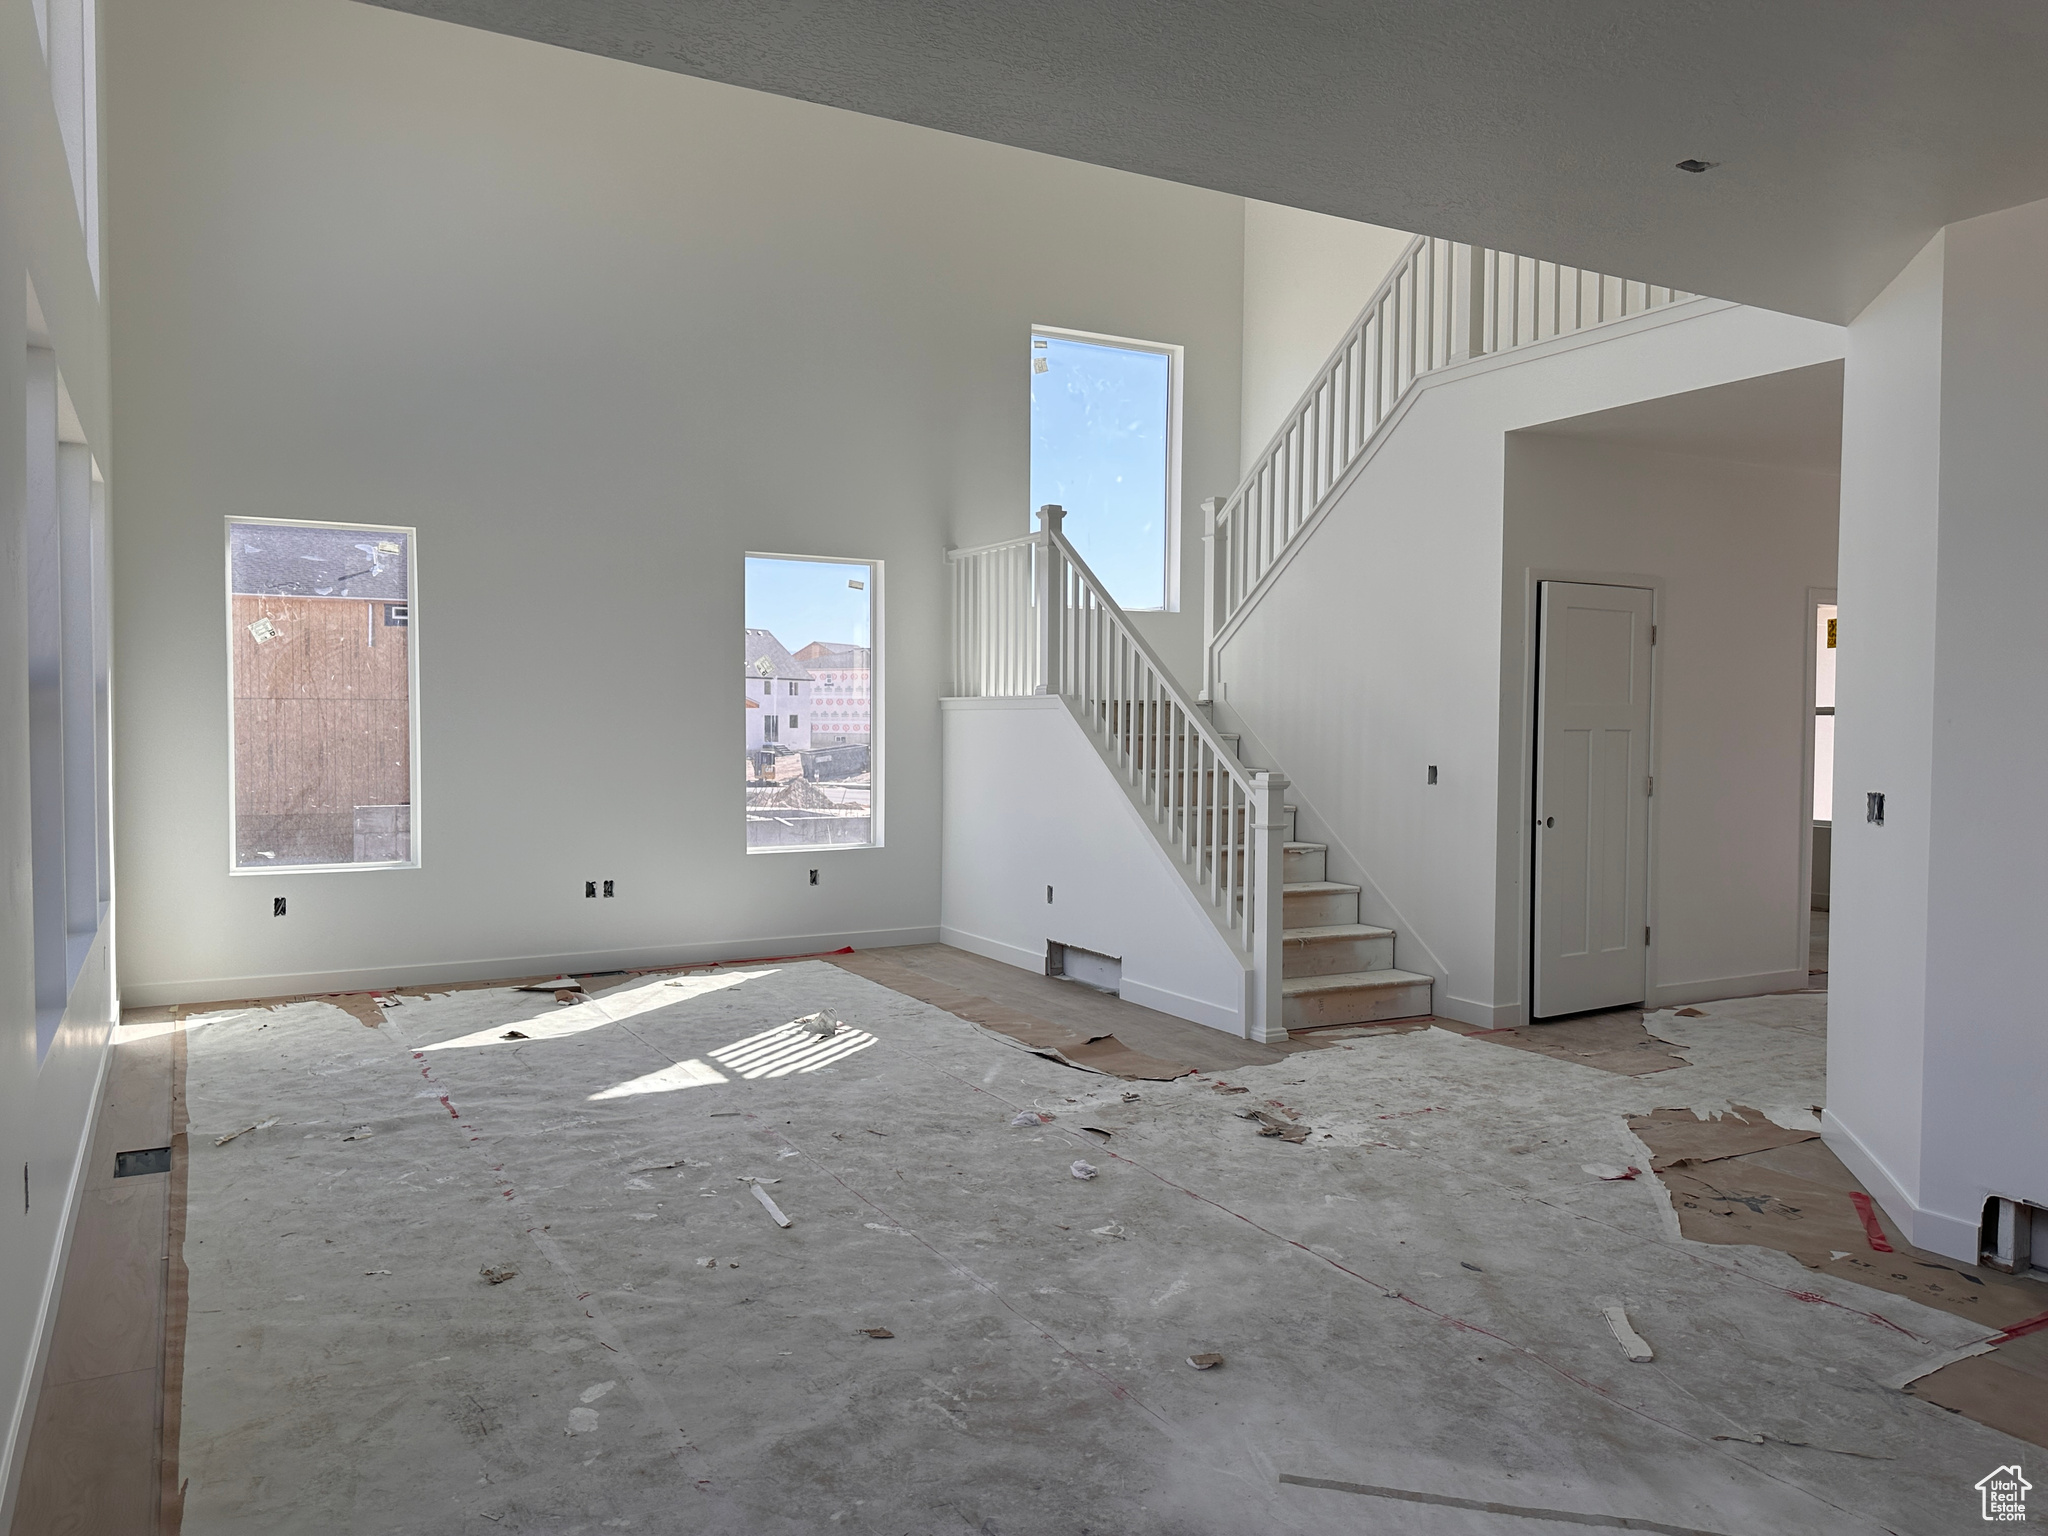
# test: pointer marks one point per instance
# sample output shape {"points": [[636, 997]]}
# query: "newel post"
{"points": [[1050, 596], [1269, 835], [1212, 593]]}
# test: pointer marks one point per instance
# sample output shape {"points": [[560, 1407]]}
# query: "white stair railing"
{"points": [[1442, 303], [1030, 617], [995, 620]]}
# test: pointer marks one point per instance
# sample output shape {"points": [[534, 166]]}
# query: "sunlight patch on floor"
{"points": [[684, 1074], [789, 1048], [599, 1011]]}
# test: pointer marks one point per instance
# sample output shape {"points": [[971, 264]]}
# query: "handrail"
{"points": [[1086, 583], [1442, 304], [955, 556]]}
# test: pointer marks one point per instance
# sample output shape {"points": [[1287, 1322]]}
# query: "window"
{"points": [[811, 780], [323, 672], [69, 727], [1105, 445], [69, 32]]}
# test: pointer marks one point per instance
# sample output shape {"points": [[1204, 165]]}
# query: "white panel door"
{"points": [[1592, 797]]}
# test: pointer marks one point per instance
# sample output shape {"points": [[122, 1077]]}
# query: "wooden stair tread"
{"points": [[1350, 981], [1333, 933], [1316, 888]]}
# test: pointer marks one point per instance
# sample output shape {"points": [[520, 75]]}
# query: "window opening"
{"points": [[69, 728], [811, 776], [322, 668], [1104, 445]]}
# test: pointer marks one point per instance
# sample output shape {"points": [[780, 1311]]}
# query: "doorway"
{"points": [[1593, 786], [1820, 798]]}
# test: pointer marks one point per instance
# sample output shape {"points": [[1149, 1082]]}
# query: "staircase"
{"points": [[1029, 617], [1333, 968]]}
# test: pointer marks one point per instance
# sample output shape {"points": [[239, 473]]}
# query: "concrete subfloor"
{"points": [[1407, 1302]]}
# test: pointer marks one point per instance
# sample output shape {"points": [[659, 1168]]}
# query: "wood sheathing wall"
{"points": [[320, 725]]}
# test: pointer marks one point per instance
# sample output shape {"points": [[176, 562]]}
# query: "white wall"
{"points": [[1884, 693], [1306, 277], [46, 1103], [1732, 549], [1029, 803], [1937, 1050], [1397, 590], [595, 330]]}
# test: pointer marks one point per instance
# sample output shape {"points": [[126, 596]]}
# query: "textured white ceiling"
{"points": [[1848, 131]]}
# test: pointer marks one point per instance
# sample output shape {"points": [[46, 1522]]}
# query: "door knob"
{"points": [[1550, 821]]}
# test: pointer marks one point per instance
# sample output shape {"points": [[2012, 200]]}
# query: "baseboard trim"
{"points": [[1193, 1009], [993, 949], [1953, 1237], [1479, 1015], [22, 1418], [1716, 989], [1145, 995], [153, 994]]}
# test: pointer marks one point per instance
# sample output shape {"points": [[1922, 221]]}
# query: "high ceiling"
{"points": [[1846, 131]]}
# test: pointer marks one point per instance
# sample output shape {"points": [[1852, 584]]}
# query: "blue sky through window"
{"points": [[799, 601], [1098, 448]]}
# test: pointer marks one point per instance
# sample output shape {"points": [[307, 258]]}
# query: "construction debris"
{"points": [[513, 1034], [819, 1024], [1866, 1211], [1026, 1118], [1099, 1131], [1609, 1174], [1205, 1362], [497, 1274], [1272, 1125], [1633, 1344], [1112, 1230], [360, 1133], [878, 1333], [261, 1125], [559, 984], [1692, 1013], [769, 1205], [568, 996], [1082, 1170]]}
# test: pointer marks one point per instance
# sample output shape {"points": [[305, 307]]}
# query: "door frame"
{"points": [[1816, 599], [1525, 922]]}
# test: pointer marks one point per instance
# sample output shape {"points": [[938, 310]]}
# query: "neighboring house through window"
{"points": [[811, 779]]}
